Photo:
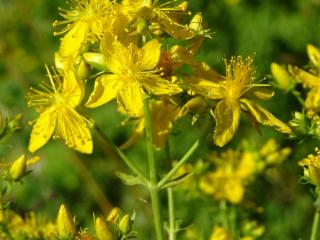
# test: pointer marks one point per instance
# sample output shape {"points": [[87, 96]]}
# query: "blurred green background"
{"points": [[270, 30]]}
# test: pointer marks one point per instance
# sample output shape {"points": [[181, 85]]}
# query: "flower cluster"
{"points": [[122, 46]]}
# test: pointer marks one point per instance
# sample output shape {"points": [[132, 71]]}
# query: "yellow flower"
{"points": [[233, 170], [84, 21], [237, 92], [311, 165], [311, 79], [56, 103], [133, 70], [219, 233], [163, 114]]}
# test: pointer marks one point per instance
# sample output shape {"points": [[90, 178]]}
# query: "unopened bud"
{"points": [[155, 28], [18, 168], [114, 215], [96, 60], [313, 172], [141, 26], [282, 77], [15, 123], [65, 223], [83, 70], [195, 105], [125, 224], [314, 55], [105, 230]]}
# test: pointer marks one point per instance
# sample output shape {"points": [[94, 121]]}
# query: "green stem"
{"points": [[298, 96], [184, 159], [315, 225], [172, 220], [121, 155], [154, 190]]}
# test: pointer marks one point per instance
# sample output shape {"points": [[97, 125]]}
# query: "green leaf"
{"points": [[130, 179], [176, 180]]}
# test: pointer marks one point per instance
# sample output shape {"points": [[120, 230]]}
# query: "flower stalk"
{"points": [[154, 190], [316, 218]]}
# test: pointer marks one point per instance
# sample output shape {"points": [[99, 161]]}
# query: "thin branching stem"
{"points": [[122, 156]]}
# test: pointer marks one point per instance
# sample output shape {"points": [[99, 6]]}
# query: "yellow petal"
{"points": [[113, 52], [264, 117], [205, 87], [43, 129], [74, 130], [314, 55], [227, 118], [130, 97], [72, 88], [150, 54], [105, 89], [160, 86], [307, 79], [73, 40]]}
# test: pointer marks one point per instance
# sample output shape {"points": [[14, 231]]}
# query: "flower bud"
{"points": [[311, 167], [65, 223], [195, 105], [83, 70], [141, 26], [15, 123], [18, 168], [96, 60], [155, 28], [284, 80], [125, 224], [114, 215], [314, 55], [105, 230]]}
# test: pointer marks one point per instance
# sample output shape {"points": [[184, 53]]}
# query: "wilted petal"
{"points": [[227, 118], [307, 79], [205, 87], [264, 117], [259, 92]]}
